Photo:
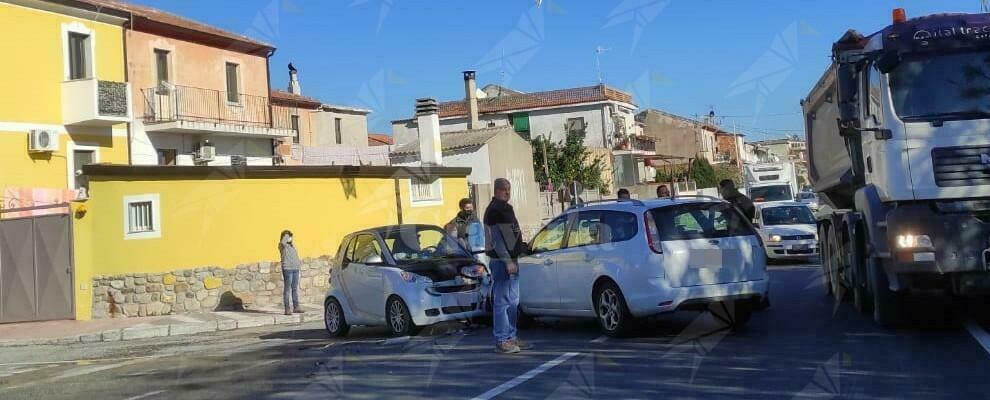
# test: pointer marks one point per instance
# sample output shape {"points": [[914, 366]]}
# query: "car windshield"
{"points": [[770, 193], [807, 196], [788, 215], [943, 86], [417, 242]]}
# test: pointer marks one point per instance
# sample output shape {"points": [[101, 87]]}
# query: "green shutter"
{"points": [[521, 122]]}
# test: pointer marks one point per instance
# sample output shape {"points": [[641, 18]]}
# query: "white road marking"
{"points": [[149, 394], [600, 339], [525, 377], [980, 334], [95, 360], [261, 364]]}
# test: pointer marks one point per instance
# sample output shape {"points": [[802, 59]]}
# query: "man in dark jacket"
{"points": [[729, 192], [459, 227], [504, 245]]}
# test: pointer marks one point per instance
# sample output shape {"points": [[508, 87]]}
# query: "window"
{"points": [[520, 123], [167, 156], [699, 221], [79, 56], [295, 128], [79, 159], [788, 215], [425, 192], [337, 132], [142, 218], [552, 236], [162, 67], [233, 92], [366, 249], [601, 227], [874, 104], [575, 124]]}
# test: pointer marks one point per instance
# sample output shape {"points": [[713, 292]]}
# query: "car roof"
{"points": [[381, 230], [640, 205], [772, 204]]}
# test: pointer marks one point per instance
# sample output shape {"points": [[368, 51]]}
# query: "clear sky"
{"points": [[751, 60]]}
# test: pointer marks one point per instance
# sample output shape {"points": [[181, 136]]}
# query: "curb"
{"points": [[175, 329]]}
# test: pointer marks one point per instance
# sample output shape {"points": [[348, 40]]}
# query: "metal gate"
{"points": [[36, 272]]}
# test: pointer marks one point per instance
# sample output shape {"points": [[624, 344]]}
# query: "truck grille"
{"points": [[961, 166]]}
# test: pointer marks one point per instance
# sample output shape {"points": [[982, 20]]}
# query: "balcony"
{"points": [[182, 109], [92, 102], [636, 144]]}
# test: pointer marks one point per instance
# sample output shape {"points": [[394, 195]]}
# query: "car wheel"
{"points": [[398, 319], [610, 307], [333, 319]]}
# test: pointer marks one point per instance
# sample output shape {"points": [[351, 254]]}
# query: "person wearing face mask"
{"points": [[460, 226], [290, 273]]}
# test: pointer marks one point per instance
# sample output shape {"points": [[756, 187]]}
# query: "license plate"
{"points": [[799, 247]]}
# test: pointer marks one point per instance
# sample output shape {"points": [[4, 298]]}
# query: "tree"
{"points": [[703, 173], [567, 160]]}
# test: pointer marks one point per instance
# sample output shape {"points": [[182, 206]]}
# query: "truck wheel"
{"points": [[886, 303], [858, 262], [835, 265], [823, 255]]}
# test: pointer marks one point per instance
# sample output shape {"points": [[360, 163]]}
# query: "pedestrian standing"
{"points": [[460, 226], [504, 246], [290, 273], [663, 191], [729, 192]]}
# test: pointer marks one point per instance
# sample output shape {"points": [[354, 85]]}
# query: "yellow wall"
{"points": [[226, 222], [31, 77]]}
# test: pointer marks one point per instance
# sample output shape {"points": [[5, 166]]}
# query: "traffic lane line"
{"points": [[146, 395], [526, 376], [979, 334]]}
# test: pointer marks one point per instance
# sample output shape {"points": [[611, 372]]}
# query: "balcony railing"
{"points": [[169, 103]]}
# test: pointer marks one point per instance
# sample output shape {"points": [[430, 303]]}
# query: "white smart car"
{"points": [[618, 261], [403, 277], [789, 230]]}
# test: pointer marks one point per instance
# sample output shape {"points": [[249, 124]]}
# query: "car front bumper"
{"points": [[792, 249], [430, 306]]}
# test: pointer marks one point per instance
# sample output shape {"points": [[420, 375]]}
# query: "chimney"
{"points": [[294, 80], [428, 123], [471, 97]]}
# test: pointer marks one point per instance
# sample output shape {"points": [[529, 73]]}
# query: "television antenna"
{"points": [[598, 62]]}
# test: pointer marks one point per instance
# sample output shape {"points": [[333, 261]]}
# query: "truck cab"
{"points": [[899, 152]]}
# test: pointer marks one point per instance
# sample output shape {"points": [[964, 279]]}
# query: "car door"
{"points": [[703, 244], [537, 271], [594, 241], [363, 280]]}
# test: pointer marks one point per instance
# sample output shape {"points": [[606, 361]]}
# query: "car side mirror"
{"points": [[372, 259]]}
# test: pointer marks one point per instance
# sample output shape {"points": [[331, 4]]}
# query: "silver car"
{"points": [[403, 277]]}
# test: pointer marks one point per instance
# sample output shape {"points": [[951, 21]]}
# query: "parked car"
{"points": [[620, 261], [403, 277], [789, 230], [809, 199]]}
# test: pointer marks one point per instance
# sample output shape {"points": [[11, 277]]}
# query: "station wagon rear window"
{"points": [[700, 221]]}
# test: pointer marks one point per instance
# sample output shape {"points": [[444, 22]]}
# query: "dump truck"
{"points": [[898, 131]]}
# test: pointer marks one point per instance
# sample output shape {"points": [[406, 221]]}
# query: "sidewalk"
{"points": [[116, 329]]}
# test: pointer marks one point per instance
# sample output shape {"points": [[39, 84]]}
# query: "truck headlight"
{"points": [[913, 241]]}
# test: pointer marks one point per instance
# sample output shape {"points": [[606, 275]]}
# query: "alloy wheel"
{"points": [[608, 309], [397, 316]]}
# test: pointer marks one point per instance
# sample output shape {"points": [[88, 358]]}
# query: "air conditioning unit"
{"points": [[206, 152], [43, 140]]}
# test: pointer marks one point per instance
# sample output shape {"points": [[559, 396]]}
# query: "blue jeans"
{"points": [[290, 284], [505, 299]]}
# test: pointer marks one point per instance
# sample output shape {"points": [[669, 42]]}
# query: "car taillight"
{"points": [[652, 233]]}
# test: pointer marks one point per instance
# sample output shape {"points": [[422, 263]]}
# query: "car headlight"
{"points": [[913, 241], [413, 278], [774, 238], [473, 271]]}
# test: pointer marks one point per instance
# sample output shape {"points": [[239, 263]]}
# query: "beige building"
{"points": [[678, 136]]}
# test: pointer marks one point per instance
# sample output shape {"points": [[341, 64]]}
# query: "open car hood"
{"points": [[438, 270]]}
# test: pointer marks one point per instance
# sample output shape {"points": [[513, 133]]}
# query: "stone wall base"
{"points": [[204, 289]]}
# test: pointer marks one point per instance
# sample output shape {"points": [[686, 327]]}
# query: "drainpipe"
{"points": [[268, 82], [130, 156]]}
